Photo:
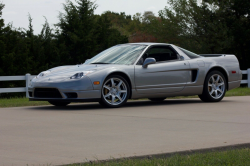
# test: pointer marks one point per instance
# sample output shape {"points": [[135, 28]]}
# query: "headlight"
{"points": [[43, 74], [80, 75]]}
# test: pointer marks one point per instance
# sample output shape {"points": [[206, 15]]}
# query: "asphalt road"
{"points": [[77, 133]]}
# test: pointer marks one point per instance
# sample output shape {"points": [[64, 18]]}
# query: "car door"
{"points": [[169, 74]]}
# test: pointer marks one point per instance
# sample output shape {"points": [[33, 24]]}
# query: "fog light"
{"points": [[71, 95]]}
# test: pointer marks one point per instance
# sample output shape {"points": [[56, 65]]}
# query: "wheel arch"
{"points": [[125, 76], [220, 69]]}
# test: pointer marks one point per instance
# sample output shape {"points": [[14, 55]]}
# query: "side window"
{"points": [[190, 54], [161, 54]]}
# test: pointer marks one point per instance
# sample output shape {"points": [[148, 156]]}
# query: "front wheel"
{"points": [[59, 103], [214, 87], [115, 91]]}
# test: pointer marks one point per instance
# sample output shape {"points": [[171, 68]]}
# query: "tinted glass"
{"points": [[121, 54], [189, 53], [161, 54]]}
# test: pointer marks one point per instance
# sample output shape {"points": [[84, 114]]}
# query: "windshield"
{"points": [[120, 54]]}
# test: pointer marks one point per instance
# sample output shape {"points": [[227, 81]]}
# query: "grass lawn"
{"points": [[230, 157], [241, 91], [19, 102]]}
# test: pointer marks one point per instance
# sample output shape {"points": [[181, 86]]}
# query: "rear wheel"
{"points": [[59, 103], [157, 99], [214, 87], [115, 91]]}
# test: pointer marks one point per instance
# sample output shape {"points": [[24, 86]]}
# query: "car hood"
{"points": [[65, 72]]}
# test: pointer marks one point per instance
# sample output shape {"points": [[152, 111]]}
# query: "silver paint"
{"points": [[165, 79]]}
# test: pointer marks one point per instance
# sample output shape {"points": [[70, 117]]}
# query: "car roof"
{"points": [[148, 43]]}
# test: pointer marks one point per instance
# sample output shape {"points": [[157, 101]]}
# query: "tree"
{"points": [[107, 35], [1, 20], [81, 34], [119, 21], [237, 14], [201, 27], [212, 26], [75, 32], [2, 47], [148, 16]]}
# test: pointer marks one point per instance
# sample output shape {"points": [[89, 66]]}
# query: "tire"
{"points": [[115, 92], [157, 99], [59, 103], [214, 88]]}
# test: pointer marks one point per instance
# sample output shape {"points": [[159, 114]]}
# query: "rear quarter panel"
{"points": [[228, 63]]}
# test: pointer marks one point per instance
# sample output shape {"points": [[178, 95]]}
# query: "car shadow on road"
{"points": [[132, 103]]}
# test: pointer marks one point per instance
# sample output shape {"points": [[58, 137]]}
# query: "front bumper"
{"points": [[83, 88], [65, 100]]}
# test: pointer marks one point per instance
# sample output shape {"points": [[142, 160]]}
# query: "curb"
{"points": [[166, 155]]}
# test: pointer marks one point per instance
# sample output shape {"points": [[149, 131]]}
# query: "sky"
{"points": [[16, 11]]}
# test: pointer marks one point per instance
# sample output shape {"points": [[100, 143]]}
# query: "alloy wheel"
{"points": [[114, 91], [216, 86]]}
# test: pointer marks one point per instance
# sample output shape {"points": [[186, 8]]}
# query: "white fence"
{"points": [[248, 77], [28, 77]]}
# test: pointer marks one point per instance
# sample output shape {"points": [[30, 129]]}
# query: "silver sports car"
{"points": [[138, 70]]}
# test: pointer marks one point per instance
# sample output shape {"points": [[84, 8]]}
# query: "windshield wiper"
{"points": [[100, 63]]}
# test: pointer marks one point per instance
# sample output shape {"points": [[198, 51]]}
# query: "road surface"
{"points": [[82, 132]]}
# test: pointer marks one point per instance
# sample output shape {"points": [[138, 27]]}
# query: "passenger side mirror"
{"points": [[148, 61]]}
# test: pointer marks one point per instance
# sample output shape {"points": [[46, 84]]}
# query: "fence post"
{"points": [[248, 77], [27, 84]]}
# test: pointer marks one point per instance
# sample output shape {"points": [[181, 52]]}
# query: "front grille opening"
{"points": [[47, 93], [71, 95], [30, 94]]}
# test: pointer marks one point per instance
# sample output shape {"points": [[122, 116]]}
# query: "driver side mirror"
{"points": [[148, 61]]}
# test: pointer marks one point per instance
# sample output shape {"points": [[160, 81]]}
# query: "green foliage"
{"points": [[107, 36], [20, 102], [1, 20], [238, 20], [229, 157], [78, 36], [200, 28], [76, 31], [212, 27], [81, 34]]}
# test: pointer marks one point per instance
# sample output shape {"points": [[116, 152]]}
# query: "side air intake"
{"points": [[194, 75]]}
